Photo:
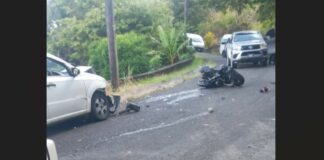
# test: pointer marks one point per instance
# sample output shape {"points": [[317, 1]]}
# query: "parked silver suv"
{"points": [[246, 47]]}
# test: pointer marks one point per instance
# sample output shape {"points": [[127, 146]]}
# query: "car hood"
{"points": [[89, 76], [249, 42], [83, 68]]}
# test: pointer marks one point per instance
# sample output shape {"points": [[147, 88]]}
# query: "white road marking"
{"points": [[164, 125]]}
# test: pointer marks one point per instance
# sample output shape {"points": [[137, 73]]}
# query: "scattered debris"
{"points": [[147, 106], [130, 107], [133, 107], [249, 146], [223, 98], [210, 110], [264, 90], [233, 99], [180, 109]]}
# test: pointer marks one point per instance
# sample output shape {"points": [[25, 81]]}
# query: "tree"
{"points": [[171, 42], [265, 8], [73, 24]]}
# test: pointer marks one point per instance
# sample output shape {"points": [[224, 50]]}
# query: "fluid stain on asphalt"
{"points": [[162, 125], [175, 97]]}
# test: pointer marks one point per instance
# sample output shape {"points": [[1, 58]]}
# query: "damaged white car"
{"points": [[71, 93]]}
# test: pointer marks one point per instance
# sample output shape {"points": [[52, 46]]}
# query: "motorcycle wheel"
{"points": [[238, 80], [218, 83]]}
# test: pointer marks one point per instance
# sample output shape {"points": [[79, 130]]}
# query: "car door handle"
{"points": [[51, 85]]}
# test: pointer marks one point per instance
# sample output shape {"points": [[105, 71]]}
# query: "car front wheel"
{"points": [[224, 54], [265, 62], [99, 106]]}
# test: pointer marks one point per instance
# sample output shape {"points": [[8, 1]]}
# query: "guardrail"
{"points": [[162, 70]]}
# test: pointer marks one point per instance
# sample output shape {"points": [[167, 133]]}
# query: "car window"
{"points": [[196, 39], [247, 37], [224, 40], [56, 69]]}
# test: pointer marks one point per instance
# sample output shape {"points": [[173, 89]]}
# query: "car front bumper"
{"points": [[250, 56]]}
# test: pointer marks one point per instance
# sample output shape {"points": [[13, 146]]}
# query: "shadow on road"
{"points": [[251, 65], [70, 124], [78, 122]]}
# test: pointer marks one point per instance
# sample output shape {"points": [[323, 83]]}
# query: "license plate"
{"points": [[250, 55]]}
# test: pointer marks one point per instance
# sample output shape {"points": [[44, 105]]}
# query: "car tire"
{"points": [[99, 106], [224, 54], [265, 62], [234, 65]]}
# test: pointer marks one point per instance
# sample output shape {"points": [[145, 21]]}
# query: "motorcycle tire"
{"points": [[218, 83], [238, 80]]}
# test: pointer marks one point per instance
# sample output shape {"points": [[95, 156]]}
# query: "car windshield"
{"points": [[196, 39], [246, 37], [224, 40]]}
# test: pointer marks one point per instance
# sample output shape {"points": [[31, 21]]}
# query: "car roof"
{"points": [[226, 35], [191, 35]]}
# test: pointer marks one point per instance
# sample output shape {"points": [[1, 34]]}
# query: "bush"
{"points": [[210, 40], [132, 51], [98, 57], [155, 62]]}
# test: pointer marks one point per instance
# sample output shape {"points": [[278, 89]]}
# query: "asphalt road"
{"points": [[178, 126]]}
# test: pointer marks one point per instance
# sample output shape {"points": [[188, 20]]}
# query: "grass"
{"points": [[175, 74], [135, 89]]}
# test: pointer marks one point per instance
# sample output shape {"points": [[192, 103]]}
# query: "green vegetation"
{"points": [[175, 74], [149, 33]]}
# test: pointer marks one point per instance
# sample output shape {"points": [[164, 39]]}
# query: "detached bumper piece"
{"points": [[130, 107], [116, 102]]}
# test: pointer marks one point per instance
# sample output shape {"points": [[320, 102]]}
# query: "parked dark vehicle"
{"points": [[226, 75]]}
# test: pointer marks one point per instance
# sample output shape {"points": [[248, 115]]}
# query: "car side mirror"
{"points": [[75, 71], [229, 40]]}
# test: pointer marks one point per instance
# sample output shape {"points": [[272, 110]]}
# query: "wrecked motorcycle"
{"points": [[226, 75]]}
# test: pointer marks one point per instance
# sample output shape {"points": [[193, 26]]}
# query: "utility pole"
{"points": [[113, 58], [185, 11]]}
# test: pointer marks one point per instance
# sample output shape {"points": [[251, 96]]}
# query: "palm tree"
{"points": [[171, 42]]}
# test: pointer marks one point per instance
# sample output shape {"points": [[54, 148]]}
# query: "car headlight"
{"points": [[264, 45], [236, 47]]}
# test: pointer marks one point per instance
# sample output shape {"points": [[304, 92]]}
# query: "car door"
{"points": [[66, 96]]}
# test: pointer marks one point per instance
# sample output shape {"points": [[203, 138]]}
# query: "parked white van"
{"points": [[196, 41]]}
